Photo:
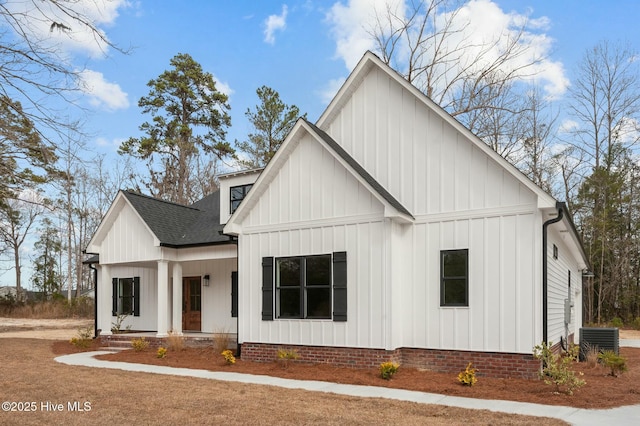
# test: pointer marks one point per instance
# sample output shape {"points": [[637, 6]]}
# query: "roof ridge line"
{"points": [[132, 192]]}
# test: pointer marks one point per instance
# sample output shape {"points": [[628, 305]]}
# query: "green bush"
{"points": [[616, 363], [636, 323], [617, 322], [556, 368], [83, 339]]}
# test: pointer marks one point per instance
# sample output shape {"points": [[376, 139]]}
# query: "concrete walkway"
{"points": [[629, 415]]}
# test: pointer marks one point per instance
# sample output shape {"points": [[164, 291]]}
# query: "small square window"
{"points": [[237, 194], [454, 277]]}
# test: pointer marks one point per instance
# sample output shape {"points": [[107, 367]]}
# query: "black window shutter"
{"points": [[340, 286], [136, 296], [234, 294], [267, 288], [114, 297]]}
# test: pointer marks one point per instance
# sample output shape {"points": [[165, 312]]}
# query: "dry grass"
{"points": [[175, 342], [591, 355], [222, 341], [81, 307], [29, 374]]}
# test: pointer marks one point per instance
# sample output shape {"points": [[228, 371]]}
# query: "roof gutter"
{"points": [[545, 310], [95, 300], [95, 293]]}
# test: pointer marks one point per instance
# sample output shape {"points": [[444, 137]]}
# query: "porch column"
{"points": [[163, 298], [105, 299], [176, 325]]}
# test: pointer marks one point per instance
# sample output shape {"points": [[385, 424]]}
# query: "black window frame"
{"points": [[234, 202], [304, 287], [338, 292], [445, 278], [129, 299]]}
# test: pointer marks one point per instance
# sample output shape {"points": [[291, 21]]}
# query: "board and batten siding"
{"points": [[363, 243], [315, 206], [504, 300], [128, 240], [148, 318], [419, 157], [311, 186]]}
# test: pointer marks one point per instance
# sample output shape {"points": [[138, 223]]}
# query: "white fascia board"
{"points": [[109, 218], [233, 225]]}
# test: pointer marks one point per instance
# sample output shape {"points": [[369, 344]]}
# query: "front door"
{"points": [[191, 304]]}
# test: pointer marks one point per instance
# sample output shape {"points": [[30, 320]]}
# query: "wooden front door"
{"points": [[191, 304]]}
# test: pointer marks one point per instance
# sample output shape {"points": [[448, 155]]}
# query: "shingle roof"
{"points": [[176, 225], [359, 169]]}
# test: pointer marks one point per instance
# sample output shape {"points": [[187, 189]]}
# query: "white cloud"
{"points": [[275, 23], [351, 24], [223, 87], [114, 143], [330, 90], [103, 94], [477, 23], [568, 126], [36, 20]]}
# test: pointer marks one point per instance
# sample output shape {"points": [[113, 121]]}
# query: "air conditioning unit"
{"points": [[605, 339]]}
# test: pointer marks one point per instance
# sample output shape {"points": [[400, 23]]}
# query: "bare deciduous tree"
{"points": [[17, 217], [34, 68], [430, 45]]}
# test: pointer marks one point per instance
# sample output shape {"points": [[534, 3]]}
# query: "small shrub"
{"points": [[616, 363], [286, 355], [388, 369], [175, 342], [636, 323], [161, 353], [556, 368], [617, 322], [468, 376], [116, 327], [83, 339], [139, 344], [228, 357]]}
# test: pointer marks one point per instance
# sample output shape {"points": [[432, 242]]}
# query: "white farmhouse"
{"points": [[386, 230]]}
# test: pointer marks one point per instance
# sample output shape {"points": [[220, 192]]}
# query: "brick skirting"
{"points": [[489, 364]]}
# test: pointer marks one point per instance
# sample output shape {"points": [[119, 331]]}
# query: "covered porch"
{"points": [[190, 292]]}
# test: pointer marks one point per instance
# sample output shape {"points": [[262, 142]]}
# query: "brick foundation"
{"points": [[489, 364]]}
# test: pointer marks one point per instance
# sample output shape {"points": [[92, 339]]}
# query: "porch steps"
{"points": [[190, 340]]}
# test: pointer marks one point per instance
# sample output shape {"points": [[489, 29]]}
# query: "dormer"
{"points": [[233, 188]]}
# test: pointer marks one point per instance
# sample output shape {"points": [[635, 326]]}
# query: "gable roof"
{"points": [[172, 225], [359, 169], [393, 208], [176, 225], [371, 61]]}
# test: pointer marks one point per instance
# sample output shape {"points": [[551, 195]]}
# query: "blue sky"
{"points": [[303, 49]]}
